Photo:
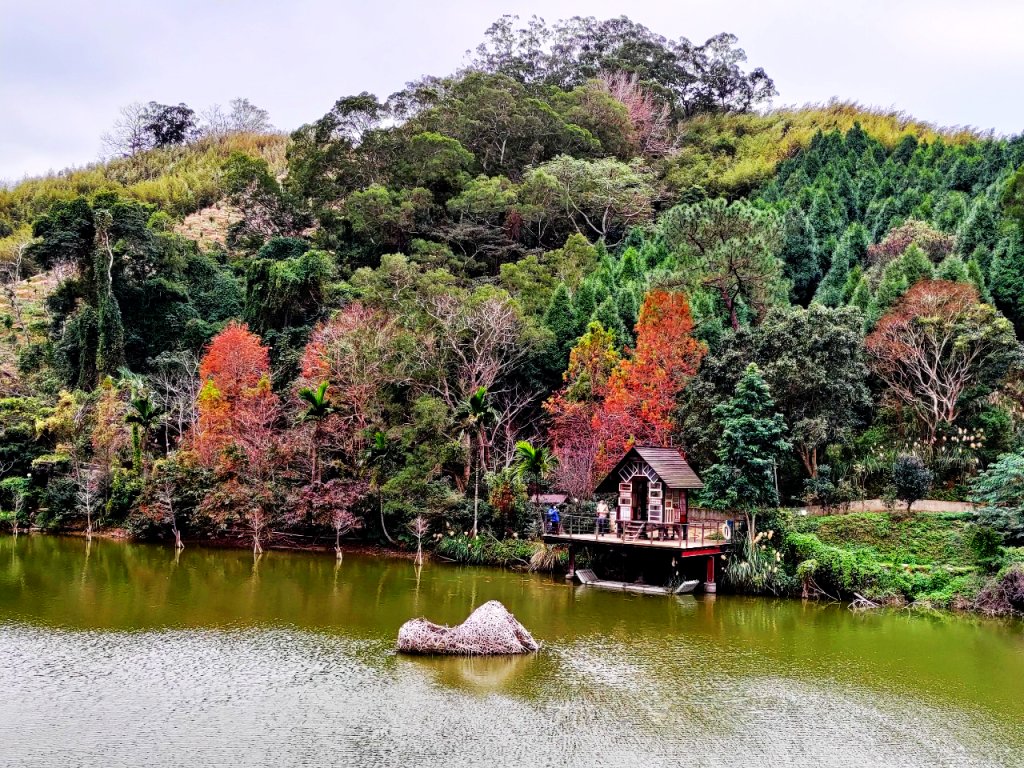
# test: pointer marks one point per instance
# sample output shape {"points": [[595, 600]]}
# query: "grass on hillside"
{"points": [[920, 539], [179, 179], [732, 154]]}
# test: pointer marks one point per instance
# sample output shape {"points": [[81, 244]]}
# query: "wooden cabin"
{"points": [[652, 486], [652, 513]]}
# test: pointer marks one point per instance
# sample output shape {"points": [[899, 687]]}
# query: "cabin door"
{"points": [[639, 498]]}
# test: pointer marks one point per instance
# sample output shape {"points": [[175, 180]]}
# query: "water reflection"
{"points": [[117, 654]]}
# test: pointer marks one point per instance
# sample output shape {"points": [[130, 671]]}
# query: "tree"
{"points": [[168, 124], [236, 433], [318, 408], [143, 415], [693, 78], [534, 463], [999, 490], [911, 479], [129, 134], [235, 363], [159, 508], [419, 527], [476, 416], [813, 361], [729, 249], [1005, 277], [332, 504], [753, 441], [573, 430], [643, 388], [937, 342], [602, 198], [248, 118], [362, 354]]}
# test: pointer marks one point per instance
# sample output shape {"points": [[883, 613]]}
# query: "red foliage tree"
{"points": [[573, 433], [359, 352]]}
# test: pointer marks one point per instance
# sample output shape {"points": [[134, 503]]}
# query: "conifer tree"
{"points": [[561, 321], [981, 227], [953, 269], [851, 251], [1007, 278], [976, 278], [799, 256], [607, 314], [583, 305], [752, 443]]}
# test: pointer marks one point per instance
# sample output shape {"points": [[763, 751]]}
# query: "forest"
{"points": [[403, 321]]}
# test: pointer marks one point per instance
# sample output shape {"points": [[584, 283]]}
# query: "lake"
{"points": [[125, 655]]}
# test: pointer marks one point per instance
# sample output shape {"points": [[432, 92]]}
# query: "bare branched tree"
{"points": [[130, 133], [419, 527]]}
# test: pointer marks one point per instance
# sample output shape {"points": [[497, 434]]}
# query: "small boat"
{"points": [[589, 579]]}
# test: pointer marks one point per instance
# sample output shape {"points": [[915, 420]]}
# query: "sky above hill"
{"points": [[67, 67]]}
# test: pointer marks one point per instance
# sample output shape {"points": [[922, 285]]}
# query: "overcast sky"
{"points": [[66, 67]]}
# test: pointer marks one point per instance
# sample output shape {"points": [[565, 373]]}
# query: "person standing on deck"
{"points": [[554, 520], [602, 517]]}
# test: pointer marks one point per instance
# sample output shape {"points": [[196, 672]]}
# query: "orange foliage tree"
{"points": [[236, 434], [573, 433], [643, 388], [610, 404]]}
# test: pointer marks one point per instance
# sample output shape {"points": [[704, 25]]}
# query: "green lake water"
{"points": [[124, 655]]}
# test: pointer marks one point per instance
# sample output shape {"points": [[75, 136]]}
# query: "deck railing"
{"points": [[694, 533]]}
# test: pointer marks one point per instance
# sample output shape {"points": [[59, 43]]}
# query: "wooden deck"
{"points": [[698, 538]]}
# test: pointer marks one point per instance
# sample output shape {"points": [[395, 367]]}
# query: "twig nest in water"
{"points": [[490, 630]]}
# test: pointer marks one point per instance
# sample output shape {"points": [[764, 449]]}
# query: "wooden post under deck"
{"points": [[571, 573], [709, 586]]}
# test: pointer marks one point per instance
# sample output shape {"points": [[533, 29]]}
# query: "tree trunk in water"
{"points": [[476, 500], [380, 500], [257, 548], [337, 544], [177, 539]]}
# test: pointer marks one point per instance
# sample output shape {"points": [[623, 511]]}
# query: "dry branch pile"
{"points": [[490, 630]]}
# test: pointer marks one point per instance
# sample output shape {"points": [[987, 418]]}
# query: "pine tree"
{"points": [[752, 444], [607, 314], [583, 305], [561, 321], [1006, 278], [953, 269]]}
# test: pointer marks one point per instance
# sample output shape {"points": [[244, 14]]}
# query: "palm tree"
{"points": [[142, 417], [536, 463], [476, 415], [318, 408], [378, 457]]}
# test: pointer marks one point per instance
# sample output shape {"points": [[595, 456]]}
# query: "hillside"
{"points": [[411, 313]]}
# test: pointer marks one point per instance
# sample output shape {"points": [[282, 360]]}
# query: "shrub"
{"points": [[911, 479]]}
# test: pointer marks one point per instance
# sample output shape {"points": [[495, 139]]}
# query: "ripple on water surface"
{"points": [[124, 656]]}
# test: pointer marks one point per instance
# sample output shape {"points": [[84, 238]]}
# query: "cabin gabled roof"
{"points": [[668, 464]]}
